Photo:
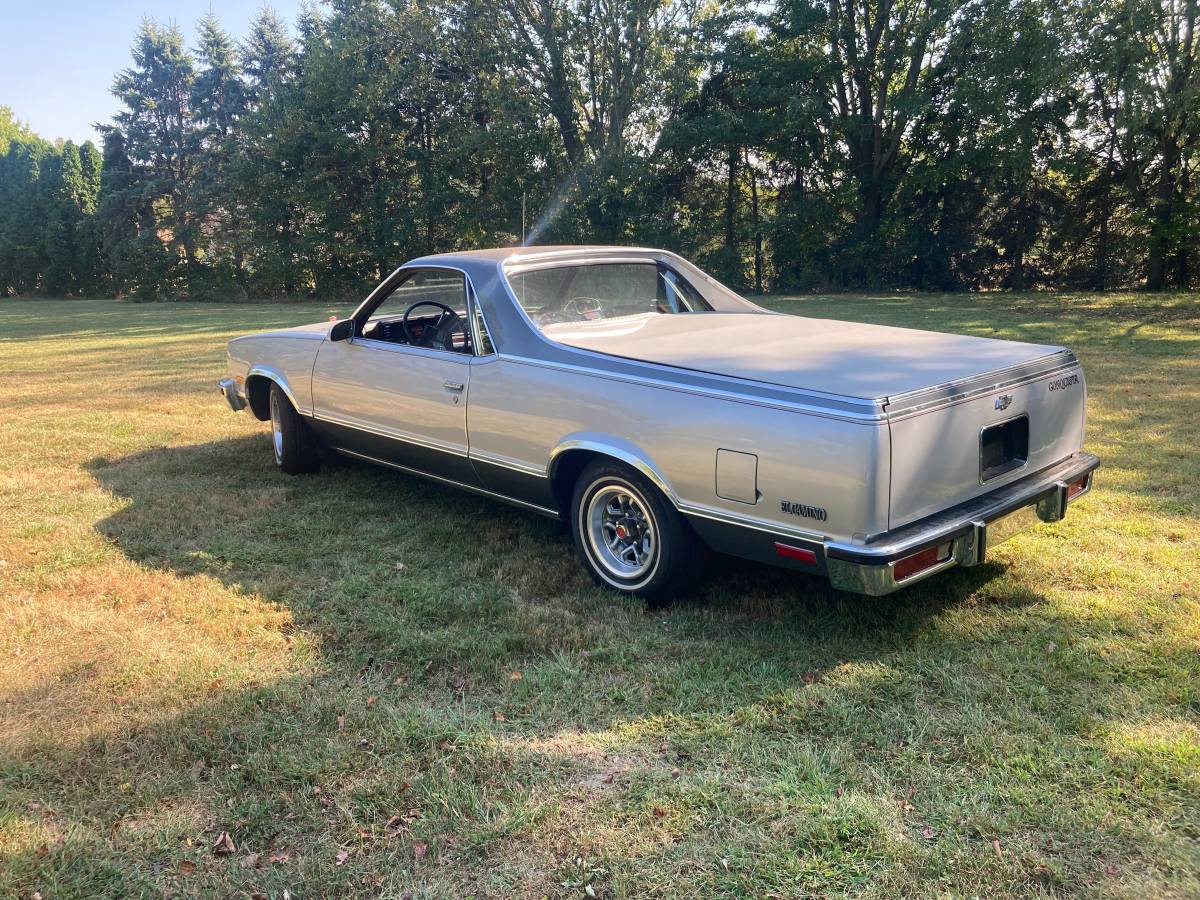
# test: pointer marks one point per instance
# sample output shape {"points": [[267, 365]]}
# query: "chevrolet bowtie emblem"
{"points": [[1004, 401]]}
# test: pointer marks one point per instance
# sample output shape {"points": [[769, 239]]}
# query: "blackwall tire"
{"points": [[292, 441]]}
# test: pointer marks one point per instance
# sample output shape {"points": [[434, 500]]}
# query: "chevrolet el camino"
{"points": [[628, 393]]}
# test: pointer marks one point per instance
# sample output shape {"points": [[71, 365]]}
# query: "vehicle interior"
{"points": [[428, 309]]}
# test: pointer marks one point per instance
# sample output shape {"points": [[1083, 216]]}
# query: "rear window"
{"points": [[603, 291]]}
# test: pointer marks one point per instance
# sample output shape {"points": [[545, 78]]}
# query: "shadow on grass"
{"points": [[354, 548]]}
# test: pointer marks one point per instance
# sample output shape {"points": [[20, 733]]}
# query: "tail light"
{"points": [[800, 554], [920, 561], [1077, 487]]}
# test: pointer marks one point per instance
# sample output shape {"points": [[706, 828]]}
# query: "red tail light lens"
{"points": [[799, 554], [919, 562], [1075, 488]]}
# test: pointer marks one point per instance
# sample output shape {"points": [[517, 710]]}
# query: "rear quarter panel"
{"points": [[520, 412]]}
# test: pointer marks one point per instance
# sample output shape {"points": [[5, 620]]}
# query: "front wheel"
{"points": [[629, 536], [292, 440]]}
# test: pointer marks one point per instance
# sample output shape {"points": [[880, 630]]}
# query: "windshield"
{"points": [[603, 291]]}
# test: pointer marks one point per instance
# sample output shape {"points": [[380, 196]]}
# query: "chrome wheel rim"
{"points": [[621, 531], [276, 427]]}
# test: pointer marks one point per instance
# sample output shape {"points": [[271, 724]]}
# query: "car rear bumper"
{"points": [[962, 535], [230, 391]]}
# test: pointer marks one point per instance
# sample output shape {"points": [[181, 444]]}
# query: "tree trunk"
{"points": [[757, 222], [1164, 202], [731, 204]]}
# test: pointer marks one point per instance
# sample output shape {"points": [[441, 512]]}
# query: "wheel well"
{"points": [[567, 469], [258, 395]]}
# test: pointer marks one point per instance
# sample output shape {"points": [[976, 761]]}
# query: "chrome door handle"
{"points": [[455, 386]]}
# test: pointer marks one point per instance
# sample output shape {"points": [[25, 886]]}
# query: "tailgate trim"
{"points": [[952, 393]]}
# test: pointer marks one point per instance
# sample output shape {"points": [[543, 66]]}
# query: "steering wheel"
{"points": [[439, 332], [584, 307]]}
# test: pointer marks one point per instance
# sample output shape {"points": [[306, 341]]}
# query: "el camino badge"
{"points": [[803, 510], [1004, 401]]}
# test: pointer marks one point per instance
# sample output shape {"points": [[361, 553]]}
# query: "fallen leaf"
{"points": [[341, 857], [420, 848], [197, 770], [394, 826], [41, 851], [341, 721], [187, 867], [251, 861], [1051, 646], [371, 701], [259, 896], [840, 790], [377, 880], [810, 677], [927, 833], [589, 890], [659, 812], [675, 773], [224, 844], [399, 567], [996, 847], [497, 716], [725, 864], [610, 777], [514, 675], [279, 858]]}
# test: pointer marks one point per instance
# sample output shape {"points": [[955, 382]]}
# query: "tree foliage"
{"points": [[946, 144]]}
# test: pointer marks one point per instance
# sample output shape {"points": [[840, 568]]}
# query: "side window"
{"points": [[484, 344], [439, 320]]}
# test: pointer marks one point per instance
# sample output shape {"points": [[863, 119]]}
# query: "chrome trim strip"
{"points": [[277, 377], [728, 518], [402, 436], [412, 350], [962, 391], [620, 453], [543, 510], [506, 462]]}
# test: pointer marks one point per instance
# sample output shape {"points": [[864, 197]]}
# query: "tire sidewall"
{"points": [[579, 511]]}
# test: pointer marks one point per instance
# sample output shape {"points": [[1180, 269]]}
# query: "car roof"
{"points": [[528, 254]]}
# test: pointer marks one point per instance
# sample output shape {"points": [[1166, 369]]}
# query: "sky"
{"points": [[58, 57]]}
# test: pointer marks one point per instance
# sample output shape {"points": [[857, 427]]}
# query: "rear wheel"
{"points": [[629, 536], [292, 440]]}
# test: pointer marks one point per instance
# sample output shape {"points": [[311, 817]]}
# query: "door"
{"points": [[396, 391]]}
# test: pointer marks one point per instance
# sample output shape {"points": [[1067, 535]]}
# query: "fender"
{"points": [[618, 448], [273, 374]]}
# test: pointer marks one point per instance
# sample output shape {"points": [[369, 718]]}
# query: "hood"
{"points": [[851, 359]]}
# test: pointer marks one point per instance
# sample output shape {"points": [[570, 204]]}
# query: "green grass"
{"points": [[191, 643]]}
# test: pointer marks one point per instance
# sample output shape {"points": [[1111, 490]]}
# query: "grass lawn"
{"points": [[376, 685]]}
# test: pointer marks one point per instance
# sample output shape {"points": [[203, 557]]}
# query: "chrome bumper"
{"points": [[229, 388], [969, 529]]}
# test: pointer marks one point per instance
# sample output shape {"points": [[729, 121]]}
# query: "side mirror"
{"points": [[342, 331]]}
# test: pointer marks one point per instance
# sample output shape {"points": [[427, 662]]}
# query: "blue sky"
{"points": [[58, 59]]}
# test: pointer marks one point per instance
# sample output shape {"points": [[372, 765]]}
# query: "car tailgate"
{"points": [[948, 450]]}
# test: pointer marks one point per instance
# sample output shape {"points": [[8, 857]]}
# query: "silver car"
{"points": [[656, 411]]}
